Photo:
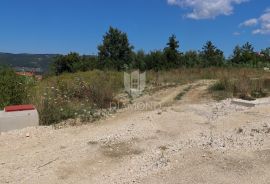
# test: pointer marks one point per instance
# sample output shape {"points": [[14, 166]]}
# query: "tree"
{"points": [[155, 60], [248, 54], [247, 47], [115, 51], [237, 56], [86, 63], [66, 63], [191, 59], [244, 55], [211, 56], [265, 55], [171, 53], [139, 60]]}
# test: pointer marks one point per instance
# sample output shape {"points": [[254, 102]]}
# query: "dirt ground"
{"points": [[156, 140]]}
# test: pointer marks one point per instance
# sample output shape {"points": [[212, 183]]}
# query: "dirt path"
{"points": [[193, 140]]}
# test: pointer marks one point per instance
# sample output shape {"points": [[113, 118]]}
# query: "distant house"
{"points": [[27, 74], [30, 74]]}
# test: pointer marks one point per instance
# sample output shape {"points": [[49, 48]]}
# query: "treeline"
{"points": [[116, 53]]}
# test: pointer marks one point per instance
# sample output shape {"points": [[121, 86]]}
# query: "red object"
{"points": [[19, 108]]}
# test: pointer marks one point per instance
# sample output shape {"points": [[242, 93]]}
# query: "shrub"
{"points": [[243, 87], [219, 86], [80, 95], [13, 88]]}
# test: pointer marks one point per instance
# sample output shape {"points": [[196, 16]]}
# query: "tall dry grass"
{"points": [[247, 86], [186, 75], [79, 95]]}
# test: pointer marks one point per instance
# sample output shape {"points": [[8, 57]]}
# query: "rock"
{"points": [[27, 135]]}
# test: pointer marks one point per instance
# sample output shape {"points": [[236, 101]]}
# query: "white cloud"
{"points": [[207, 9], [263, 23], [250, 22], [236, 34]]}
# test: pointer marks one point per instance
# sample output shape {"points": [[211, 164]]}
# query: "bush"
{"points": [[13, 88], [220, 85], [242, 87], [72, 96]]}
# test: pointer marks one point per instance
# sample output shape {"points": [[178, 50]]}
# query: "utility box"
{"points": [[18, 117]]}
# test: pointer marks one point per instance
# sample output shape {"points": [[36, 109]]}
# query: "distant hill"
{"points": [[39, 61]]}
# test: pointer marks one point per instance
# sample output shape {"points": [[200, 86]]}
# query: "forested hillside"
{"points": [[41, 61]]}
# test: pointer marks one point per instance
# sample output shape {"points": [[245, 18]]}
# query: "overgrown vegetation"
{"points": [[79, 95], [186, 75], [243, 87], [86, 95], [13, 88]]}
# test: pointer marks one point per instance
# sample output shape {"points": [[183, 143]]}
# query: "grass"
{"points": [[186, 75], [243, 87], [180, 95], [72, 96]]}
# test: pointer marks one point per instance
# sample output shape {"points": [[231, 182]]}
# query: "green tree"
{"points": [[244, 55], [211, 56], [265, 56], [115, 51], [237, 56], [171, 53], [155, 60], [66, 63], [86, 63], [248, 54], [191, 59], [139, 60]]}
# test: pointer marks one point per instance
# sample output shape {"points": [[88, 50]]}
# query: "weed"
{"points": [[243, 87], [13, 88], [180, 95], [72, 96]]}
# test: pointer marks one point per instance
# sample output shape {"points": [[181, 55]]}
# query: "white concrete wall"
{"points": [[18, 120]]}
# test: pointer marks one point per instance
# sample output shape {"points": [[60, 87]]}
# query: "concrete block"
{"points": [[18, 117], [245, 103]]}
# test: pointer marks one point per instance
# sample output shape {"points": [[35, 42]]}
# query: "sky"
{"points": [[61, 26]]}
